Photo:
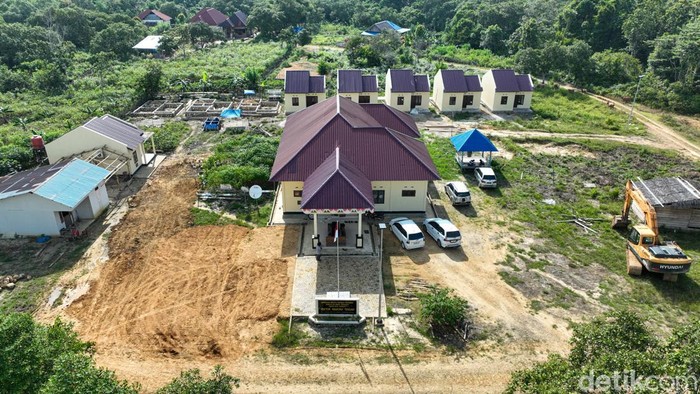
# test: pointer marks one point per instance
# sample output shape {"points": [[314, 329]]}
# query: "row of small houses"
{"points": [[453, 91], [233, 26]]}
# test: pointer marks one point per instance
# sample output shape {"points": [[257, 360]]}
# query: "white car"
{"points": [[408, 233], [445, 233], [458, 193], [485, 177]]}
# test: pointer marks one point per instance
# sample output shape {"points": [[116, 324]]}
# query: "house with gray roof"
{"points": [[406, 91], [455, 92], [506, 91], [359, 88], [110, 142], [340, 157], [47, 200], [302, 90]]}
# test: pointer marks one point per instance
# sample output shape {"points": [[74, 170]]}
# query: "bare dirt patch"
{"points": [[174, 290], [558, 150]]}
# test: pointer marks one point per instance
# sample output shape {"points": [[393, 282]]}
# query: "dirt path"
{"points": [[665, 136]]}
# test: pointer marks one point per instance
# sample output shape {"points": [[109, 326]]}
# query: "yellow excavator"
{"points": [[644, 248]]}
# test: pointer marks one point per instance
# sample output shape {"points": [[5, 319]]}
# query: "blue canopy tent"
{"points": [[231, 113], [472, 141]]}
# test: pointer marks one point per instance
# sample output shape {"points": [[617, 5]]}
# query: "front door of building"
{"points": [[416, 101], [311, 100], [519, 100]]}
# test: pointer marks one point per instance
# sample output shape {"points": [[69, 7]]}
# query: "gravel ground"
{"points": [[358, 275]]}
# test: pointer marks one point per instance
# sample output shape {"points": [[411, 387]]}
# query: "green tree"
{"points": [[688, 50], [117, 39], [611, 68], [149, 84], [493, 38], [441, 308], [251, 76], [77, 373], [192, 382], [168, 43], [664, 60], [201, 33]]}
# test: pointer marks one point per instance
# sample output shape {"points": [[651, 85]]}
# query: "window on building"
{"points": [[399, 100], [295, 101], [363, 99], [378, 196], [408, 193], [297, 193], [453, 100], [504, 100], [136, 158]]}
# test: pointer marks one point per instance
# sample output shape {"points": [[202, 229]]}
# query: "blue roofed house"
{"points": [[379, 27], [504, 90], [51, 198]]}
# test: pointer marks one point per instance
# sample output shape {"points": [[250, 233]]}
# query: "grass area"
{"points": [[443, 154], [205, 217], [558, 110], [168, 136], [683, 127], [529, 178], [333, 34]]}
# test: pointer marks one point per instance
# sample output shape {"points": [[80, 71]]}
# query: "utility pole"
{"points": [[629, 118], [379, 322]]}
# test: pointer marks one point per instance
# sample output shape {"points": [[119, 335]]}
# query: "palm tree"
{"points": [[252, 78], [5, 113], [22, 122]]}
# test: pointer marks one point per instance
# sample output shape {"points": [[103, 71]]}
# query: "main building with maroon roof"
{"points": [[343, 157]]}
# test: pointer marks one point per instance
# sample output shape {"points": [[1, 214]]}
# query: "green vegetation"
{"points": [[476, 57], [242, 161], [615, 344], [205, 217], [333, 34], [443, 154], [441, 308], [285, 338], [168, 136], [52, 359], [562, 111]]}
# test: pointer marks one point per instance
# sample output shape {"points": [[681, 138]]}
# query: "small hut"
{"points": [[470, 142], [676, 201]]}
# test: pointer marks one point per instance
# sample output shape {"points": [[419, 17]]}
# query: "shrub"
{"points": [[168, 136], [440, 307], [192, 382]]}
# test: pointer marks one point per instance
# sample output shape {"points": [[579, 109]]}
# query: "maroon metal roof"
{"points": [[422, 83], [508, 81], [455, 81], [379, 152], [212, 17], [404, 81], [301, 81], [157, 13], [392, 118], [337, 184], [369, 83], [352, 81]]}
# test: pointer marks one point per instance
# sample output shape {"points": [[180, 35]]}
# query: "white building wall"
{"points": [[289, 108], [492, 99], [81, 140], [373, 96], [29, 214], [393, 199]]}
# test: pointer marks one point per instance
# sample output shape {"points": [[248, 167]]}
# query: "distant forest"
{"points": [[598, 44]]}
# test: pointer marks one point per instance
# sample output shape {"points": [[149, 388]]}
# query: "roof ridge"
{"points": [[352, 184]]}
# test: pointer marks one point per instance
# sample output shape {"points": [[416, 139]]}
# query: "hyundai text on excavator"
{"points": [[644, 248]]}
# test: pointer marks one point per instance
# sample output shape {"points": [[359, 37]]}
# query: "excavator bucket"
{"points": [[620, 222]]}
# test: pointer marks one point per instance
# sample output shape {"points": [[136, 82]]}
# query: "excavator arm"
{"points": [[632, 195]]}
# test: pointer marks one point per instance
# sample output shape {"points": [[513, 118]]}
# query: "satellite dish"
{"points": [[255, 192]]}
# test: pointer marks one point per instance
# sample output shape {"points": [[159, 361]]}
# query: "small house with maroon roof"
{"points": [[455, 92], [343, 158], [406, 91], [504, 90], [233, 27], [359, 88], [302, 90], [151, 17]]}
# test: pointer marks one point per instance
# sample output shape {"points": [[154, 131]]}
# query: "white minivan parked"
{"points": [[458, 193], [445, 233], [485, 177], [408, 233]]}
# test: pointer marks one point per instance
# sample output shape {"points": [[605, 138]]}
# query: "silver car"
{"points": [[485, 177], [445, 233], [408, 233], [458, 193]]}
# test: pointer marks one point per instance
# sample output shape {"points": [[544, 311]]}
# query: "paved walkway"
{"points": [[358, 274]]}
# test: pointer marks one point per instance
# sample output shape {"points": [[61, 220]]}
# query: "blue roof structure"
{"points": [[472, 141], [379, 27], [231, 113], [72, 183]]}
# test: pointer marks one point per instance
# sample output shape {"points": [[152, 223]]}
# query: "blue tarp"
{"points": [[231, 113], [249, 92], [473, 141]]}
